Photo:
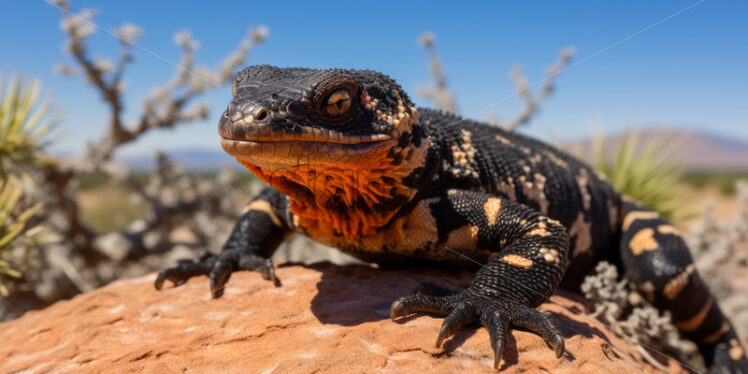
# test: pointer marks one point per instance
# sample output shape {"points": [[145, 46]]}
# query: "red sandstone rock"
{"points": [[324, 319]]}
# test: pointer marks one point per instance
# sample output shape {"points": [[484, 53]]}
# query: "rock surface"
{"points": [[325, 318]]}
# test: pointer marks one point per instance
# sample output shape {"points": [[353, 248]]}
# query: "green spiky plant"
{"points": [[644, 174], [22, 139], [22, 130], [13, 229]]}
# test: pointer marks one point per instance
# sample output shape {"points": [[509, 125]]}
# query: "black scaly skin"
{"points": [[431, 185]]}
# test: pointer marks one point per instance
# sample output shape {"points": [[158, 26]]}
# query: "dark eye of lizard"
{"points": [[337, 103]]}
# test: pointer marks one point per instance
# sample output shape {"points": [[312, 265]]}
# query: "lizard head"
{"points": [[342, 144], [280, 118]]}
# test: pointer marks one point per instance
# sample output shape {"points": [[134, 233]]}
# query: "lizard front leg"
{"points": [[256, 235], [530, 262]]}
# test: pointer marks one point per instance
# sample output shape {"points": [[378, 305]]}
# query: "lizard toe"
{"points": [[540, 323], [420, 303], [179, 274], [497, 325], [461, 315], [220, 275]]}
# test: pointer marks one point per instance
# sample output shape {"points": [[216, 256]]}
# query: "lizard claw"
{"points": [[219, 268], [540, 323], [461, 315], [497, 325]]}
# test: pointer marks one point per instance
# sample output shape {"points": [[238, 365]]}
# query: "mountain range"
{"points": [[691, 150]]}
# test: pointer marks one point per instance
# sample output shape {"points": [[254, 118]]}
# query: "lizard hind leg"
{"points": [[530, 261], [656, 259]]}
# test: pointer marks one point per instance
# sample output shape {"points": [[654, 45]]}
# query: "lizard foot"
{"points": [[219, 268], [461, 308]]}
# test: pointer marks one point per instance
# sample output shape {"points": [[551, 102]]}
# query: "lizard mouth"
{"points": [[313, 135], [261, 143], [318, 146]]}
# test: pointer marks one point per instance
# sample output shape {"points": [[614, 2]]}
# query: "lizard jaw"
{"points": [[292, 153]]}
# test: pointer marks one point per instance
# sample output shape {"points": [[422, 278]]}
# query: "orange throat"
{"points": [[349, 199]]}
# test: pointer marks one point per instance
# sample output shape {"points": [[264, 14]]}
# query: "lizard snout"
{"points": [[246, 114], [238, 121]]}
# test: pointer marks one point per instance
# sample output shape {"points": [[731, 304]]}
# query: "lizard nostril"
{"points": [[261, 115]]}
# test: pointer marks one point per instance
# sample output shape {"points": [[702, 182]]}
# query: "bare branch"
{"points": [[532, 102], [169, 104], [440, 94], [442, 97]]}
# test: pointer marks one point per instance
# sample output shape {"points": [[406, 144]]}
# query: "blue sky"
{"points": [[690, 71]]}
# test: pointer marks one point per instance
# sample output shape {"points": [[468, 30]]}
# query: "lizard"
{"points": [[352, 163]]}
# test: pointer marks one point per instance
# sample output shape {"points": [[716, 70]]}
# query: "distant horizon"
{"points": [[197, 159], [673, 63], [593, 131]]}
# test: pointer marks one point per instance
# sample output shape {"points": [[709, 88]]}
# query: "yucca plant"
{"points": [[644, 173], [22, 139], [22, 132], [13, 229]]}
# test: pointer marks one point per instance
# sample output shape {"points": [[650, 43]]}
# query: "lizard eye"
{"points": [[335, 99], [337, 103]]}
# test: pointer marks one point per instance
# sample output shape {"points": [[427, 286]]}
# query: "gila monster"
{"points": [[353, 164]]}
